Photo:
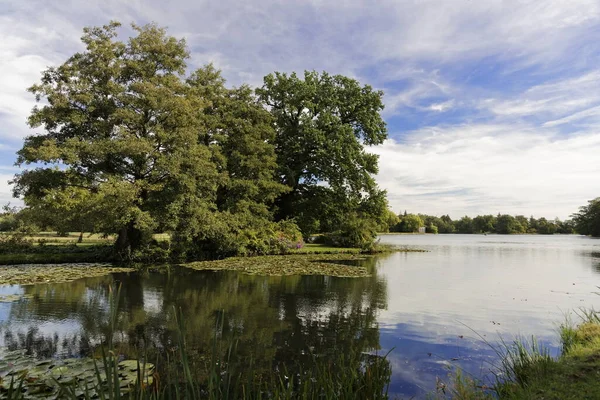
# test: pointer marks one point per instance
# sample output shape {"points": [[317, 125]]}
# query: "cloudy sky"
{"points": [[492, 106]]}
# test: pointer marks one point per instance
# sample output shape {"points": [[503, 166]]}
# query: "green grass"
{"points": [[89, 239], [574, 375], [313, 248], [49, 248], [527, 371]]}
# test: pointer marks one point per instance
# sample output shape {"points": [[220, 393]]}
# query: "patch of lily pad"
{"points": [[341, 265], [30, 274], [10, 298], [43, 379]]}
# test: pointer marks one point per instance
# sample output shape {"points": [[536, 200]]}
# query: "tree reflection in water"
{"points": [[269, 322]]}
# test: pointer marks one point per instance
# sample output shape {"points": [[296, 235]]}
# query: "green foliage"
{"points": [[431, 228], [390, 222], [587, 220], [131, 145], [15, 242], [8, 222], [239, 133], [524, 222], [484, 223], [238, 235], [120, 134], [355, 231], [545, 227], [501, 224], [344, 370], [443, 224], [507, 224], [410, 223], [564, 227], [323, 124], [534, 374], [464, 225]]}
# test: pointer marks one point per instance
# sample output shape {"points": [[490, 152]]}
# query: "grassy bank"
{"points": [[313, 248], [50, 248], [527, 371], [574, 375]]}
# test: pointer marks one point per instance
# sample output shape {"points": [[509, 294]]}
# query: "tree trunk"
{"points": [[129, 239], [80, 240]]}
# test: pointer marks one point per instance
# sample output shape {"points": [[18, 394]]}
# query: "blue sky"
{"points": [[492, 106]]}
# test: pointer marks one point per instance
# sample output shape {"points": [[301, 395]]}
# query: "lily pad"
{"points": [[48, 273], [42, 379], [340, 265], [9, 298]]}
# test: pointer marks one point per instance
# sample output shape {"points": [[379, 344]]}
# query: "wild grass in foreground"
{"points": [[527, 371], [345, 376]]}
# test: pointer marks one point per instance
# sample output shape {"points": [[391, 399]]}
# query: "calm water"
{"points": [[433, 308]]}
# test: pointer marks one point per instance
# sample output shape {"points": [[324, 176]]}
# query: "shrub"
{"points": [[431, 228], [233, 235], [18, 240], [8, 222], [355, 232]]}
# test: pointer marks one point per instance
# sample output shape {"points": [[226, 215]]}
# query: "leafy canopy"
{"points": [[323, 124], [132, 144], [587, 220]]}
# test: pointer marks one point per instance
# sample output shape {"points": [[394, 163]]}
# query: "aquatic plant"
{"points": [[350, 375], [35, 274], [306, 264]]}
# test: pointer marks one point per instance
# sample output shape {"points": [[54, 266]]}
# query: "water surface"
{"points": [[435, 309]]}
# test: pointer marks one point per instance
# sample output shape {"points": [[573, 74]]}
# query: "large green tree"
{"points": [[410, 223], [507, 224], [323, 125], [587, 220], [131, 145], [239, 132], [484, 223], [120, 122]]}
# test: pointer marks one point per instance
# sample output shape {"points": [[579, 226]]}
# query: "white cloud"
{"points": [[25, 51], [555, 99], [6, 191], [421, 85], [585, 114], [474, 169], [441, 107], [407, 48]]}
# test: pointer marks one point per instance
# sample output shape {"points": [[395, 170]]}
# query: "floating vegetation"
{"points": [[43, 379], [30, 274], [307, 264], [9, 298]]}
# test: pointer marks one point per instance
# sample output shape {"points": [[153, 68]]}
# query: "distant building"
{"points": [[421, 229]]}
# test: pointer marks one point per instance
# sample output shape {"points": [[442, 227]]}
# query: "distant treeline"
{"points": [[501, 223]]}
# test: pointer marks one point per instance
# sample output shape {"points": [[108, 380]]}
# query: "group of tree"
{"points": [[501, 224], [132, 144], [587, 220]]}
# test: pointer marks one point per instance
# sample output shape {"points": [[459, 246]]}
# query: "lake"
{"points": [[433, 310]]}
